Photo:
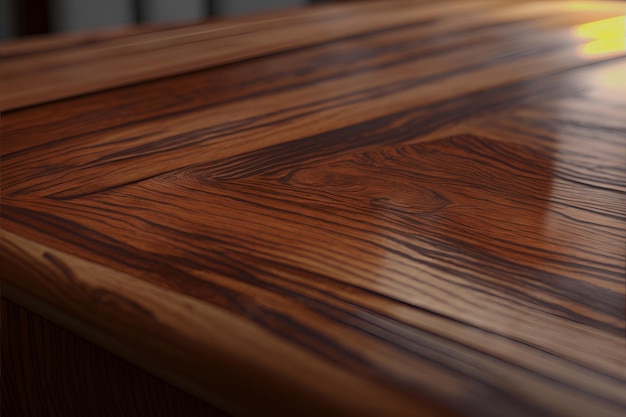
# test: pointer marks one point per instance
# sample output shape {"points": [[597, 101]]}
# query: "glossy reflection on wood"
{"points": [[417, 216]]}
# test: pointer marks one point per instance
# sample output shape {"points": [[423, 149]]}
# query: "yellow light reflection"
{"points": [[613, 27], [608, 37], [604, 47]]}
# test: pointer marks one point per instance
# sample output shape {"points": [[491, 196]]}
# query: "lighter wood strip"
{"points": [[210, 352]]}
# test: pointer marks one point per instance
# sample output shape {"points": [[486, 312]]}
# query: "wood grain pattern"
{"points": [[207, 351], [32, 75], [425, 217], [47, 371]]}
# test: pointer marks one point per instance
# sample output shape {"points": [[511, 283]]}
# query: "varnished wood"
{"points": [[420, 214], [206, 350], [48, 371], [64, 69]]}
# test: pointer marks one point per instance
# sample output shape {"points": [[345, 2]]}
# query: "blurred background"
{"points": [[30, 17]]}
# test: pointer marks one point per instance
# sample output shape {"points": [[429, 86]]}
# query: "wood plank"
{"points": [[425, 218], [117, 62], [202, 90], [209, 352]]}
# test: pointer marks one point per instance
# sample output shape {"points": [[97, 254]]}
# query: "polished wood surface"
{"points": [[48, 371], [60, 71], [421, 214], [37, 71]]}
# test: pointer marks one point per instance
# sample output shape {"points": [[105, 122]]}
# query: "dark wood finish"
{"points": [[424, 217], [48, 371]]}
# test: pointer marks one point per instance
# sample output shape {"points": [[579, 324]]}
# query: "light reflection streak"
{"points": [[605, 38]]}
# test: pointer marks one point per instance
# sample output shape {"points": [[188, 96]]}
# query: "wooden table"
{"points": [[380, 209]]}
